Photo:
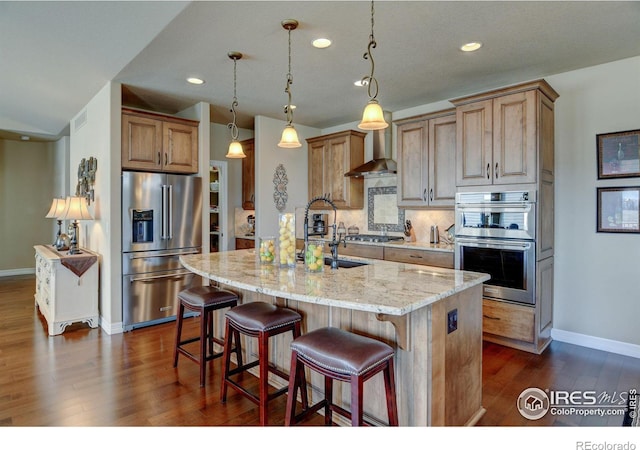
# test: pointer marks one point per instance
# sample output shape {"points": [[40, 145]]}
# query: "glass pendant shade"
{"points": [[372, 117], [289, 138], [235, 150]]}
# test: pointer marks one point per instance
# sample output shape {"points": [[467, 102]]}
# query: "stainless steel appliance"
{"points": [[319, 225], [495, 234], [161, 220]]}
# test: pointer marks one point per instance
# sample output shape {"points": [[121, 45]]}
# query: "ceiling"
{"points": [[57, 55]]}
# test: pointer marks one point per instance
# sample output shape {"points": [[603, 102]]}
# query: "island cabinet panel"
{"points": [[438, 378], [157, 143]]}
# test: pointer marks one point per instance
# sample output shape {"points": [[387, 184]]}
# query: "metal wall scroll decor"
{"points": [[86, 179], [280, 182]]}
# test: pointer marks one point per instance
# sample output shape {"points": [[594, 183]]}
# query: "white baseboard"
{"points": [[597, 343], [111, 328], [14, 272]]}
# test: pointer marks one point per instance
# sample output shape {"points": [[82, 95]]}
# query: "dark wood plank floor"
{"points": [[85, 377]]}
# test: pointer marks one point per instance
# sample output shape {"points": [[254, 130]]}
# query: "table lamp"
{"points": [[75, 209], [55, 212]]}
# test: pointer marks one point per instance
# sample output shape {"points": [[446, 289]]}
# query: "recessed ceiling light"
{"points": [[321, 43], [361, 83], [471, 46], [194, 80]]}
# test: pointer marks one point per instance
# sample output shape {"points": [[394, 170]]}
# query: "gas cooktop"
{"points": [[372, 238]]}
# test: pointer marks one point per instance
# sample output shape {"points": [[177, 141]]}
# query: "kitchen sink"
{"points": [[345, 263]]}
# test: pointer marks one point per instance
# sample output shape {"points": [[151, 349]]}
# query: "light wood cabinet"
{"points": [[157, 143], [330, 157], [62, 296], [426, 160], [422, 257], [501, 135], [248, 175]]}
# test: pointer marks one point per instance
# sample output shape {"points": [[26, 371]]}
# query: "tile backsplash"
{"points": [[421, 220]]}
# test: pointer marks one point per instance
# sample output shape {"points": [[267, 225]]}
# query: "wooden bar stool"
{"points": [[205, 300], [261, 320], [344, 356]]}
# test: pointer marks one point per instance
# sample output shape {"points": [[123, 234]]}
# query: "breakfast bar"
{"points": [[431, 316]]}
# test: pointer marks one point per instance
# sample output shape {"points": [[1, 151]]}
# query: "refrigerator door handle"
{"points": [[147, 255], [175, 276], [170, 212], [163, 222]]}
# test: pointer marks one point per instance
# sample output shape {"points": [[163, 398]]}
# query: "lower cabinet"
{"points": [[66, 288], [422, 257], [242, 244], [525, 327]]}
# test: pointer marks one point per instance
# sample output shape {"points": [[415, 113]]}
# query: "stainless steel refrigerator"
{"points": [[161, 220]]}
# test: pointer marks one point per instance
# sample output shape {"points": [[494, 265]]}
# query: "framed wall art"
{"points": [[618, 154], [618, 209]]}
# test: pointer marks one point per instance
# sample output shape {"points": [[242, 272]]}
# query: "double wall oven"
{"points": [[496, 234]]}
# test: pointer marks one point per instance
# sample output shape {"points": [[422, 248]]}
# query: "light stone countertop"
{"points": [[380, 286]]}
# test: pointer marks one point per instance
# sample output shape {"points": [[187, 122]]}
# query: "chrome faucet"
{"points": [[335, 239]]}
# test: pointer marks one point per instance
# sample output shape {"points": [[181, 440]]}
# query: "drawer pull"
{"points": [[415, 256], [490, 317]]}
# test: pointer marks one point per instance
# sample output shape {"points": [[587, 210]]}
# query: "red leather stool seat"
{"points": [[261, 320], [344, 356], [205, 300]]}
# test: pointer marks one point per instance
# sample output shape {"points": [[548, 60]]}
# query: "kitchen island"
{"points": [[431, 316]]}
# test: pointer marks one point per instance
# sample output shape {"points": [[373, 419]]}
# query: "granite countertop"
{"points": [[379, 286]]}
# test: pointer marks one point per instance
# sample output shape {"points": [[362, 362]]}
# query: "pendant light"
{"points": [[235, 148], [372, 117], [289, 137]]}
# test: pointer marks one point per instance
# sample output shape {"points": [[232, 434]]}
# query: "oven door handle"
{"points": [[493, 243]]}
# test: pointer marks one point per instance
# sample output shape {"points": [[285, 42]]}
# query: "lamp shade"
{"points": [[289, 138], [76, 209], [372, 117], [57, 208], [235, 150]]}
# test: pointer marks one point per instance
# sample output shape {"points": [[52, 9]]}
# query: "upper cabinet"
{"points": [[248, 175], [330, 157], [426, 160], [501, 135], [158, 143]]}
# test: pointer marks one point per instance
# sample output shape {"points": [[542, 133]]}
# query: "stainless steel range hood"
{"points": [[381, 163]]}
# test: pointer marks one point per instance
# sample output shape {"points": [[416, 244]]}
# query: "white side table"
{"points": [[66, 287]]}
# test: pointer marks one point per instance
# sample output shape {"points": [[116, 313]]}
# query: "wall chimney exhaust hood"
{"points": [[381, 163]]}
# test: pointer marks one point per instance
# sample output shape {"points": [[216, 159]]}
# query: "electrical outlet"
{"points": [[452, 321]]}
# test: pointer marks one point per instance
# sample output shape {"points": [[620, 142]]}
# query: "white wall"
{"points": [[268, 157], [99, 137], [597, 275]]}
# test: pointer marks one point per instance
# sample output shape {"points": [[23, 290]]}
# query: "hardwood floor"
{"points": [[85, 377]]}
